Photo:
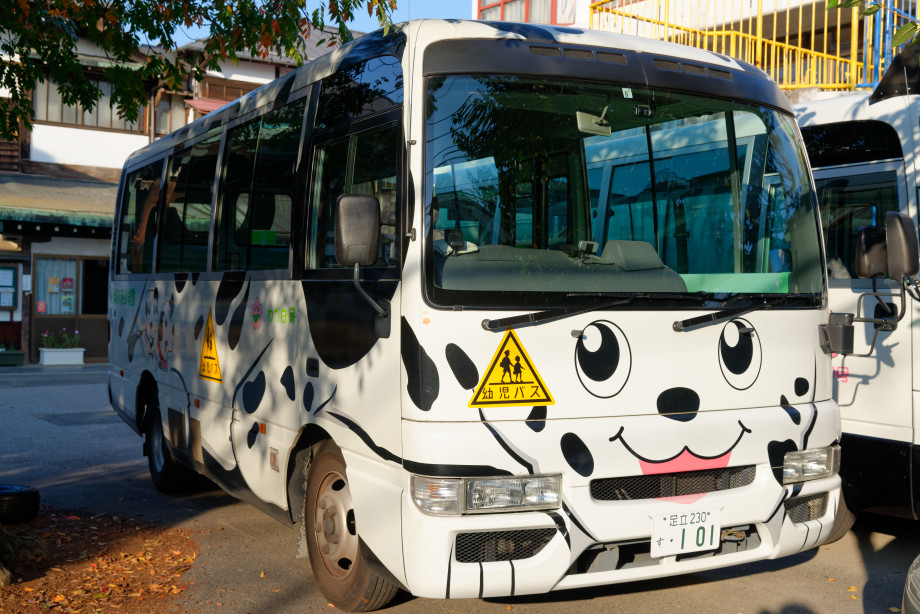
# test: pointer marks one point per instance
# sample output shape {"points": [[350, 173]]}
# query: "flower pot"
{"points": [[60, 356], [11, 358]]}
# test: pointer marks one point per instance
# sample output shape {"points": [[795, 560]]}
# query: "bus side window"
{"points": [[363, 163], [847, 203], [138, 225], [257, 192], [183, 244]]}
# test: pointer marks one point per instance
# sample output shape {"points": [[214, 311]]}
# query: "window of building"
{"points": [[171, 114], [553, 12], [48, 106]]}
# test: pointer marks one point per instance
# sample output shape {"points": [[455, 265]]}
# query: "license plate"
{"points": [[690, 531]]}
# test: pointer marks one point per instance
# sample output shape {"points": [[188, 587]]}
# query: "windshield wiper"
{"points": [[725, 314], [550, 314]]}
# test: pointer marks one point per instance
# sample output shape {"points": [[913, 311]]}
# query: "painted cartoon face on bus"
{"points": [[605, 367], [150, 323], [166, 335]]}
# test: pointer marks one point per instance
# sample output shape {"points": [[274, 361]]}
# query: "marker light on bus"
{"points": [[812, 464], [453, 496]]}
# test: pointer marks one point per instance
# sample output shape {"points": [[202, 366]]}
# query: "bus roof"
{"points": [[680, 67]]}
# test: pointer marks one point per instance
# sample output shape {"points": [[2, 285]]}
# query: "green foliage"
{"points": [[906, 34], [38, 42]]}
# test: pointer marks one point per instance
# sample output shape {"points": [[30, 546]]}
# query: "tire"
{"points": [[843, 522], [168, 475], [18, 503], [340, 567]]}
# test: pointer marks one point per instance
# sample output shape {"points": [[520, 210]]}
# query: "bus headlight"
{"points": [[811, 464], [454, 496]]}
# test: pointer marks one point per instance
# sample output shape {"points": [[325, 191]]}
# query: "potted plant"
{"points": [[60, 348], [10, 356]]}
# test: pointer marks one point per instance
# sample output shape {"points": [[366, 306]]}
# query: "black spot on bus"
{"points": [[198, 326], [287, 380], [194, 279], [121, 327], [253, 392], [537, 418], [464, 370], [230, 287], [251, 435], [776, 451], [180, 279], [795, 414], [237, 321], [577, 455], [308, 397], [679, 404], [801, 386], [423, 382]]}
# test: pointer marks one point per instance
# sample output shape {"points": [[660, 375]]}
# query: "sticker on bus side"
{"points": [[512, 379], [209, 366]]}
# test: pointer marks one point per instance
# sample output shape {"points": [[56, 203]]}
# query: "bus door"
{"points": [[874, 393]]}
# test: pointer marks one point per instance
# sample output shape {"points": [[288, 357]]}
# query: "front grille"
{"points": [[803, 509], [501, 545], [671, 484]]}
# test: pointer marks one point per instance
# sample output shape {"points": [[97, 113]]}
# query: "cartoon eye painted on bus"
{"points": [[739, 354], [602, 359]]}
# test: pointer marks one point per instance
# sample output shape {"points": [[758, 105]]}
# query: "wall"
{"points": [[65, 145]]}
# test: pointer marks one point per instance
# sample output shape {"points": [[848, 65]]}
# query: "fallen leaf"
{"points": [[262, 575], [852, 589], [853, 597], [832, 579]]}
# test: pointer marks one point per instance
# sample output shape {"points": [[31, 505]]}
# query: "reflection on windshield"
{"points": [[533, 203]]}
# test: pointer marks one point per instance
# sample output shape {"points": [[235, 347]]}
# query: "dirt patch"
{"points": [[100, 563]]}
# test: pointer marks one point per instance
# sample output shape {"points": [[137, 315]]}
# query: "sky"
{"points": [[413, 9]]}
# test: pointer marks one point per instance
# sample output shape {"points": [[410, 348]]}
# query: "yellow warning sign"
{"points": [[209, 366], [511, 379]]}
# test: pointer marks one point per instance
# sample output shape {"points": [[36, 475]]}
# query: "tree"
{"points": [[907, 33], [38, 42]]}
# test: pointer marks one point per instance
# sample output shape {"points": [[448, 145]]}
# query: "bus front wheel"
{"points": [[339, 566]]}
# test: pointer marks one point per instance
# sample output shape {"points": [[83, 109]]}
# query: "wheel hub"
{"points": [[334, 526]]}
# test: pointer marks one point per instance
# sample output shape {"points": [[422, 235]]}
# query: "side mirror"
{"points": [[895, 252], [357, 229], [902, 246], [357, 234]]}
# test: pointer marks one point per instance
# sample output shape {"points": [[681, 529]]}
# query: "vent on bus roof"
{"points": [[693, 69], [667, 64], [611, 58], [579, 54], [720, 74], [550, 51]]}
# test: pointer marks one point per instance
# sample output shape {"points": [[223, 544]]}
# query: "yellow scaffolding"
{"points": [[798, 43]]}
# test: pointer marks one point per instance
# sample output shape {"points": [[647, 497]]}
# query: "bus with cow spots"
{"points": [[488, 309]]}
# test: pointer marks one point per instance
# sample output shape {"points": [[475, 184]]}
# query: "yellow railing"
{"points": [[799, 44]]}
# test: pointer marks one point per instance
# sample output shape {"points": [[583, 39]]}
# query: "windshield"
{"points": [[547, 193]]}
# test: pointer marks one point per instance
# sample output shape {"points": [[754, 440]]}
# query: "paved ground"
{"points": [[59, 434]]}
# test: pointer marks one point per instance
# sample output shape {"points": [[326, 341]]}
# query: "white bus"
{"points": [[488, 309], [863, 151]]}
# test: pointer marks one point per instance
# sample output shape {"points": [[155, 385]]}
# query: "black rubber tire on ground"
{"points": [[168, 474], [843, 522], [341, 571], [18, 503]]}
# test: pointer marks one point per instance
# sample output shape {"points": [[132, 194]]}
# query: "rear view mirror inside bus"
{"points": [[357, 229]]}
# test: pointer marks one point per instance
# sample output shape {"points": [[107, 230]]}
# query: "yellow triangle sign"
{"points": [[511, 379], [209, 366]]}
